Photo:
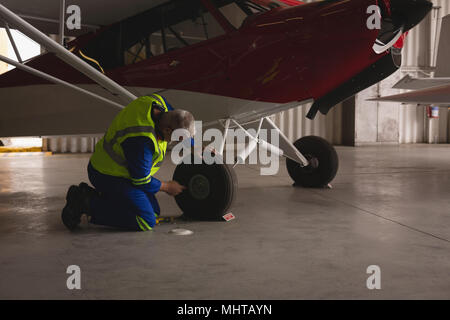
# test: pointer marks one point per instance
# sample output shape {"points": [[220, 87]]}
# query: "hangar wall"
{"points": [[70, 144], [419, 54], [294, 124], [393, 123]]}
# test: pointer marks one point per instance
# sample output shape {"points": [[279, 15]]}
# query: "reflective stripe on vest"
{"points": [[159, 98], [109, 145]]}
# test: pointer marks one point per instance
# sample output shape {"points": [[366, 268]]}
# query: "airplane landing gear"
{"points": [[210, 190], [323, 163]]}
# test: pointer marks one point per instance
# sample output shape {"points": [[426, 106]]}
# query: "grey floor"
{"points": [[389, 207]]}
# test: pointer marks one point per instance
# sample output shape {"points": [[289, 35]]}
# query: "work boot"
{"points": [[71, 214], [87, 193]]}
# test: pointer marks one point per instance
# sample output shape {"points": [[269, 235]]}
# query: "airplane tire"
{"points": [[324, 163], [210, 192]]}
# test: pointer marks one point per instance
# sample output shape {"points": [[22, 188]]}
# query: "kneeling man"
{"points": [[122, 167]]}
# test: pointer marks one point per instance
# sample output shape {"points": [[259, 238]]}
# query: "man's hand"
{"points": [[209, 149], [172, 187]]}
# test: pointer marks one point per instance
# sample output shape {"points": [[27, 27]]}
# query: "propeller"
{"points": [[398, 17]]}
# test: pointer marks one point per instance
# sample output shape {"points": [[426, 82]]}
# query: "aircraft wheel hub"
{"points": [[199, 187], [323, 163], [313, 162]]}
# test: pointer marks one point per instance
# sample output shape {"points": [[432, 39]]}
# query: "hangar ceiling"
{"points": [[94, 13]]}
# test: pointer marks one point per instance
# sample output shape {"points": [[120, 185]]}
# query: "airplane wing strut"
{"points": [[111, 86], [58, 81]]}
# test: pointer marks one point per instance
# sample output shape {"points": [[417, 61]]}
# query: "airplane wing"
{"points": [[256, 110], [409, 83], [439, 96], [44, 14]]}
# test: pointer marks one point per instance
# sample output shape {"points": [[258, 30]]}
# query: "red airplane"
{"points": [[265, 57]]}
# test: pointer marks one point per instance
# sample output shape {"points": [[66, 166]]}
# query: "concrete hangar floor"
{"points": [[389, 207]]}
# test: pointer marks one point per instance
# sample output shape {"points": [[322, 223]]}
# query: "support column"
{"points": [[348, 122], [3, 66], [366, 117], [45, 144], [62, 21], [3, 50]]}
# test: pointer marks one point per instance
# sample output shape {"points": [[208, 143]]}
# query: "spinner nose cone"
{"points": [[409, 13]]}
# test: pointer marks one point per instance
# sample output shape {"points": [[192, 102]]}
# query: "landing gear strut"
{"points": [[211, 188]]}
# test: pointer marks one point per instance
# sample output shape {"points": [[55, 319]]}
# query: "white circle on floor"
{"points": [[181, 232]]}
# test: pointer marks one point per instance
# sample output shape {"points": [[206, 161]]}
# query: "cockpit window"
{"points": [[236, 11], [177, 24], [253, 7], [169, 26], [233, 11], [264, 5]]}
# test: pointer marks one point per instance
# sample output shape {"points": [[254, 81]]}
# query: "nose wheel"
{"points": [[211, 190], [323, 163]]}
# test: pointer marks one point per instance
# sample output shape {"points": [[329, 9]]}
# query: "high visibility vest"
{"points": [[135, 120]]}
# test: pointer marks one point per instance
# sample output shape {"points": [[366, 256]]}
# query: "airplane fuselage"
{"points": [[278, 57]]}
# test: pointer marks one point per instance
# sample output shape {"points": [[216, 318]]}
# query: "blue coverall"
{"points": [[119, 202]]}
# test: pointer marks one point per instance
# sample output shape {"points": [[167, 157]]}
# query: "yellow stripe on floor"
{"points": [[20, 149], [24, 154]]}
